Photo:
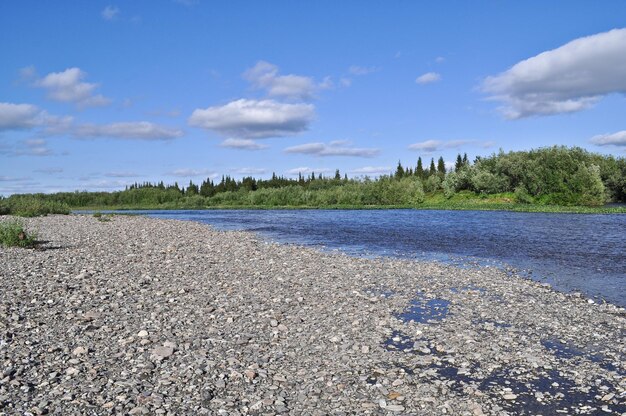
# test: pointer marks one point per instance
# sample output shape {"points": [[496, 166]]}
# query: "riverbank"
{"points": [[153, 316]]}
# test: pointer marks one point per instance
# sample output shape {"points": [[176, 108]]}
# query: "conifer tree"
{"points": [[459, 163], [399, 171], [433, 169], [419, 170], [441, 167]]}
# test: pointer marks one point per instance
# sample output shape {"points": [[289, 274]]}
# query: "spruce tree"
{"points": [[433, 169], [459, 163], [399, 171], [441, 167], [419, 170]]}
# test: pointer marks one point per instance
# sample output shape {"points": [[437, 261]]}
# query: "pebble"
{"points": [[153, 316]]}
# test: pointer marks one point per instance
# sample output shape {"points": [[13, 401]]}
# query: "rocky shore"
{"points": [[143, 316]]}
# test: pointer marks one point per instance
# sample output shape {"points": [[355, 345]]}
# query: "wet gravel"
{"points": [[146, 316]]}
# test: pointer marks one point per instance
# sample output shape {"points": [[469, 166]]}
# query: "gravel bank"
{"points": [[145, 316]]}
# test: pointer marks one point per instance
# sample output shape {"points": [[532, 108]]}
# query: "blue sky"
{"points": [[96, 95]]}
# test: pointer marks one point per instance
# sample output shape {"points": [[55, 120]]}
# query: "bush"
{"points": [[31, 206], [12, 234]]}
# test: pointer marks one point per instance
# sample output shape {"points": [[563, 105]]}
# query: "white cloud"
{"points": [[430, 146], [187, 172], [254, 119], [245, 144], [440, 59], [138, 130], [428, 78], [345, 82], [110, 12], [264, 75], [614, 139], [19, 116], [332, 149], [249, 171], [362, 70], [121, 174], [306, 170], [567, 79], [33, 147], [372, 170], [66, 86]]}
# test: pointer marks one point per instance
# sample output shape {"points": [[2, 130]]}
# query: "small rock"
{"points": [[79, 351], [394, 407], [162, 352], [510, 396], [142, 334]]}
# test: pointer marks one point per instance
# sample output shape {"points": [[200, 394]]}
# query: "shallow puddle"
{"points": [[422, 310]]}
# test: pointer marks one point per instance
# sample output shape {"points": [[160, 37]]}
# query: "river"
{"points": [[572, 252]]}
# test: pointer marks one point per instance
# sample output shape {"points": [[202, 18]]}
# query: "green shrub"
{"points": [[13, 234], [31, 206]]}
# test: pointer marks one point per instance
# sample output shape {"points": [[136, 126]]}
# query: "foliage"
{"points": [[13, 234], [32, 206], [553, 176]]}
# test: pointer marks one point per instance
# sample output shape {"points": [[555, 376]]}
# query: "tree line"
{"points": [[547, 176]]}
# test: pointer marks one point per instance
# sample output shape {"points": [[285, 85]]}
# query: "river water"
{"points": [[572, 252]]}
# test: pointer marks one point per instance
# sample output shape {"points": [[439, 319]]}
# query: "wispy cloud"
{"points": [[67, 86], [249, 171], [612, 139], [567, 79], [372, 170], [304, 170], [243, 144], [110, 12], [122, 174], [137, 130], [428, 78], [189, 172], [254, 119], [332, 149], [362, 70], [430, 146]]}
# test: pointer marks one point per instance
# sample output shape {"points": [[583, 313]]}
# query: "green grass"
{"points": [[28, 206], [13, 234]]}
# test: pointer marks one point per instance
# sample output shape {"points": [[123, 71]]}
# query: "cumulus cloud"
{"points": [[264, 75], [332, 149], [67, 86], [244, 144], [307, 170], [254, 119], [362, 70], [567, 79], [19, 116], [428, 78], [32, 147], [134, 130], [110, 12], [613, 139], [430, 146], [372, 170]]}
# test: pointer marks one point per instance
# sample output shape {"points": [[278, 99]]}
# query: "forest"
{"points": [[524, 180]]}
